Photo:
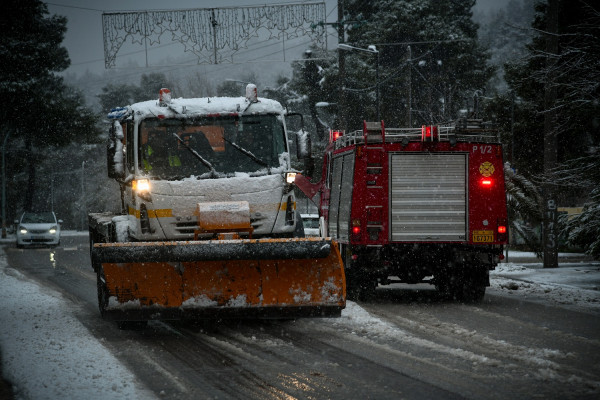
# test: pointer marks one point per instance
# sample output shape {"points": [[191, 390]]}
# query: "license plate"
{"points": [[483, 236]]}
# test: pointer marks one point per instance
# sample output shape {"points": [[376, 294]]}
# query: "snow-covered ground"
{"points": [[47, 353], [575, 284]]}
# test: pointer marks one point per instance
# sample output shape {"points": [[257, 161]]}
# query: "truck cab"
{"points": [[170, 155]]}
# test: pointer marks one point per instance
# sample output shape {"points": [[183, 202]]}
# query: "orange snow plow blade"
{"points": [[243, 278]]}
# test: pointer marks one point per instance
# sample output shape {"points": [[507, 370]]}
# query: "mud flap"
{"points": [[245, 278]]}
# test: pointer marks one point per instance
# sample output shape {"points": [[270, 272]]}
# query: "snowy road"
{"points": [[531, 337]]}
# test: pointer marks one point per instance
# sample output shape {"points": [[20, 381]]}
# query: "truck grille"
{"points": [[428, 197]]}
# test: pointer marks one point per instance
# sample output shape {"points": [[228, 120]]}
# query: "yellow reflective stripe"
{"points": [[167, 212], [283, 206], [161, 213]]}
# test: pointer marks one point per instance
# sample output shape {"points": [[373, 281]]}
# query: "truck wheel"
{"points": [[360, 287], [473, 286], [462, 283], [474, 293], [463, 286]]}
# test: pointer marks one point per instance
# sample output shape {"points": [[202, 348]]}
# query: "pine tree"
{"points": [[446, 68], [575, 75], [40, 111]]}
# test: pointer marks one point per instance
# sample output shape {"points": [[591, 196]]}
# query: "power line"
{"points": [[76, 7]]}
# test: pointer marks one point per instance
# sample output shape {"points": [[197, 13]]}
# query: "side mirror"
{"points": [[114, 152], [60, 221], [302, 138]]}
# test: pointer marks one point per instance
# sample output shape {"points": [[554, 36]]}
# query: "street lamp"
{"points": [[373, 50]]}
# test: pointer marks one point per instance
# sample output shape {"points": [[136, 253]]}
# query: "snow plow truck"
{"points": [[414, 205], [208, 226]]}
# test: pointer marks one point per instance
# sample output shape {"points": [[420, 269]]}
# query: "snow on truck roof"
{"points": [[199, 106]]}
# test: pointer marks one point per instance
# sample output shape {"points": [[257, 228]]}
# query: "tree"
{"points": [[42, 112], [124, 94], [114, 95], [576, 73], [573, 73], [505, 33], [150, 85], [446, 67], [307, 79]]}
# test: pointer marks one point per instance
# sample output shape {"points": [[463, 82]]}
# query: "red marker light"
{"points": [[486, 182], [502, 229], [356, 230]]}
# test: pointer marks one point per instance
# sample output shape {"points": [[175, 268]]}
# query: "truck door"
{"points": [[342, 177]]}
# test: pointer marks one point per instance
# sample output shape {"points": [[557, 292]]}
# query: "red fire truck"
{"points": [[415, 205]]}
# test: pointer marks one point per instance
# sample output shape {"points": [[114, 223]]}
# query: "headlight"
{"points": [[52, 230], [290, 177], [141, 185], [23, 231], [142, 188]]}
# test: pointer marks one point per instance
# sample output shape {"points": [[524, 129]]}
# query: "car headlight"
{"points": [[52, 230], [23, 231]]}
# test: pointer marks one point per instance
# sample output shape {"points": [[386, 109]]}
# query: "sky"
{"points": [[84, 37], [42, 369]]}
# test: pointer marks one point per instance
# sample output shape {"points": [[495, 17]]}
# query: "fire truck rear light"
{"points": [[356, 226], [429, 133], [502, 230], [486, 182]]}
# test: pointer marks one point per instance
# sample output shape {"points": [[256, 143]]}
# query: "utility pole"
{"points": [[512, 128], [550, 143], [409, 105], [342, 66], [4, 183], [83, 199]]}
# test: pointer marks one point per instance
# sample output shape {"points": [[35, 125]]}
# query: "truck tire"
{"points": [[463, 286], [466, 284], [473, 285], [359, 285]]}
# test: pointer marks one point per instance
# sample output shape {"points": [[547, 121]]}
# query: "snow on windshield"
{"points": [[178, 148]]}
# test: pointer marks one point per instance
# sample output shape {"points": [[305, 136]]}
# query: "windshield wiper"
{"points": [[204, 161], [247, 153]]}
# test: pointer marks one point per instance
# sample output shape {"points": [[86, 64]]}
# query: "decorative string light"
{"points": [[214, 35]]}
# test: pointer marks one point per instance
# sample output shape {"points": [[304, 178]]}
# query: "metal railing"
{"points": [[468, 130]]}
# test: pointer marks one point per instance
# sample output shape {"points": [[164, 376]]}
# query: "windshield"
{"points": [[38, 218], [223, 145]]}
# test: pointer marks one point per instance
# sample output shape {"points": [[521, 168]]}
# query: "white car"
{"points": [[38, 229], [311, 224]]}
